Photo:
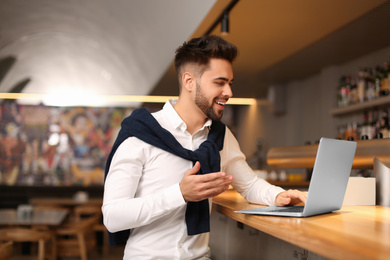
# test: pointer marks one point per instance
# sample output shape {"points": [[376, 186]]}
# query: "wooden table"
{"points": [[354, 232], [9, 217], [47, 219], [66, 202]]}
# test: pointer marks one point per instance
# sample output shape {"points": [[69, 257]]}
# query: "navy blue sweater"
{"points": [[143, 125]]}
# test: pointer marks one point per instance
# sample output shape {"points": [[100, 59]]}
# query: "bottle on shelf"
{"points": [[366, 85], [340, 132], [351, 133], [378, 81], [375, 124], [340, 92], [365, 128], [344, 91], [355, 131], [370, 87], [371, 122], [361, 86], [384, 124], [385, 80], [347, 132], [353, 91]]}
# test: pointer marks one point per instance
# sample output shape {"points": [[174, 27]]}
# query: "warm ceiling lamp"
{"points": [[223, 19], [225, 23]]}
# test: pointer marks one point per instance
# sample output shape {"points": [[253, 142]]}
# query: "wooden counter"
{"points": [[354, 232]]}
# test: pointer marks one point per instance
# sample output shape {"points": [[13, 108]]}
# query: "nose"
{"points": [[227, 91]]}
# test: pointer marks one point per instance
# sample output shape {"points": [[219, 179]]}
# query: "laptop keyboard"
{"points": [[289, 209]]}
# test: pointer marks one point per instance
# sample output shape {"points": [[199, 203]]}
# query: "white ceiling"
{"points": [[126, 47], [76, 48]]}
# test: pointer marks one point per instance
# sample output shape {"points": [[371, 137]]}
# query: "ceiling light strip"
{"points": [[122, 98]]}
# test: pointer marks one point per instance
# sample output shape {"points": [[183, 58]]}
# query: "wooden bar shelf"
{"points": [[380, 102]]}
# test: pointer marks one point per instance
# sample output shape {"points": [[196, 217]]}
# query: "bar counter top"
{"points": [[353, 232]]}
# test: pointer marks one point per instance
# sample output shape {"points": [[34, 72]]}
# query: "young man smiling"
{"points": [[204, 95], [165, 167]]}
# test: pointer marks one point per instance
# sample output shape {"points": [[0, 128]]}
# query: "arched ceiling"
{"points": [[77, 48], [123, 47]]}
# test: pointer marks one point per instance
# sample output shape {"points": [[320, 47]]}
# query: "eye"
{"points": [[220, 83]]}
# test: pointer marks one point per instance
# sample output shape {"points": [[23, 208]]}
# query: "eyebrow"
{"points": [[224, 79]]}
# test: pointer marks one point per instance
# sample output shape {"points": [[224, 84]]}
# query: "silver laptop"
{"points": [[328, 183]]}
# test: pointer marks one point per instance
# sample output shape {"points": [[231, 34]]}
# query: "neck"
{"points": [[191, 115]]}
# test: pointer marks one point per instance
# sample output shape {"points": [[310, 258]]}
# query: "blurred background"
{"points": [[73, 67]]}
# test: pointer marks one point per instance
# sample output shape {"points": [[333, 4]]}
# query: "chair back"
{"points": [[94, 211], [87, 211], [28, 235], [23, 235], [6, 250], [76, 237]]}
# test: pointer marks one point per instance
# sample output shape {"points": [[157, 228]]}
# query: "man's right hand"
{"points": [[199, 187]]}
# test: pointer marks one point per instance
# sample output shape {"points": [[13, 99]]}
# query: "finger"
{"points": [[194, 170], [285, 199], [302, 197], [299, 195], [282, 201], [214, 191], [215, 180], [295, 196], [217, 186], [213, 176]]}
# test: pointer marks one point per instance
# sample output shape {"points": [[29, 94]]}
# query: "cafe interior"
{"points": [[71, 71]]}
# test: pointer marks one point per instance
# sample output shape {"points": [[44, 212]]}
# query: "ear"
{"points": [[189, 81]]}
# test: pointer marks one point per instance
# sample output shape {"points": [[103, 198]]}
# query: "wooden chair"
{"points": [[76, 237], [43, 238], [96, 211], [49, 207], [6, 250]]}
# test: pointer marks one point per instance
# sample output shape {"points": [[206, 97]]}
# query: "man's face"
{"points": [[213, 89]]}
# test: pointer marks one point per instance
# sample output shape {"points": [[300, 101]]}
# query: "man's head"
{"points": [[204, 68], [197, 53]]}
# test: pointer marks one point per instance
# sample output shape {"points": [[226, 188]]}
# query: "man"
{"points": [[152, 186]]}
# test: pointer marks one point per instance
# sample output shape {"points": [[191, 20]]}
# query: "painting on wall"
{"points": [[57, 146]]}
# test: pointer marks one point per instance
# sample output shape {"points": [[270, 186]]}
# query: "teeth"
{"points": [[220, 103]]}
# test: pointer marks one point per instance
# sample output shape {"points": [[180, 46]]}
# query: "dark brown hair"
{"points": [[199, 51]]}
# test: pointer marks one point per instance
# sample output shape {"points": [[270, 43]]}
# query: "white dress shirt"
{"points": [[142, 191]]}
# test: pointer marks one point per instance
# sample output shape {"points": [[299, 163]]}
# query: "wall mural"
{"points": [[57, 146]]}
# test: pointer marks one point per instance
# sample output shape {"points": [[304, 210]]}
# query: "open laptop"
{"points": [[328, 183]]}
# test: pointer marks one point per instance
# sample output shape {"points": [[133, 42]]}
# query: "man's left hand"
{"points": [[290, 197]]}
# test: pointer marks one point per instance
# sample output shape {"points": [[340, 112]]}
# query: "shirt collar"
{"points": [[176, 120]]}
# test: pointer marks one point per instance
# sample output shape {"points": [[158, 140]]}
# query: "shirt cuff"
{"points": [[174, 196], [273, 192]]}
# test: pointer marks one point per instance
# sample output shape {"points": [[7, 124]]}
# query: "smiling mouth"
{"points": [[221, 103]]}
